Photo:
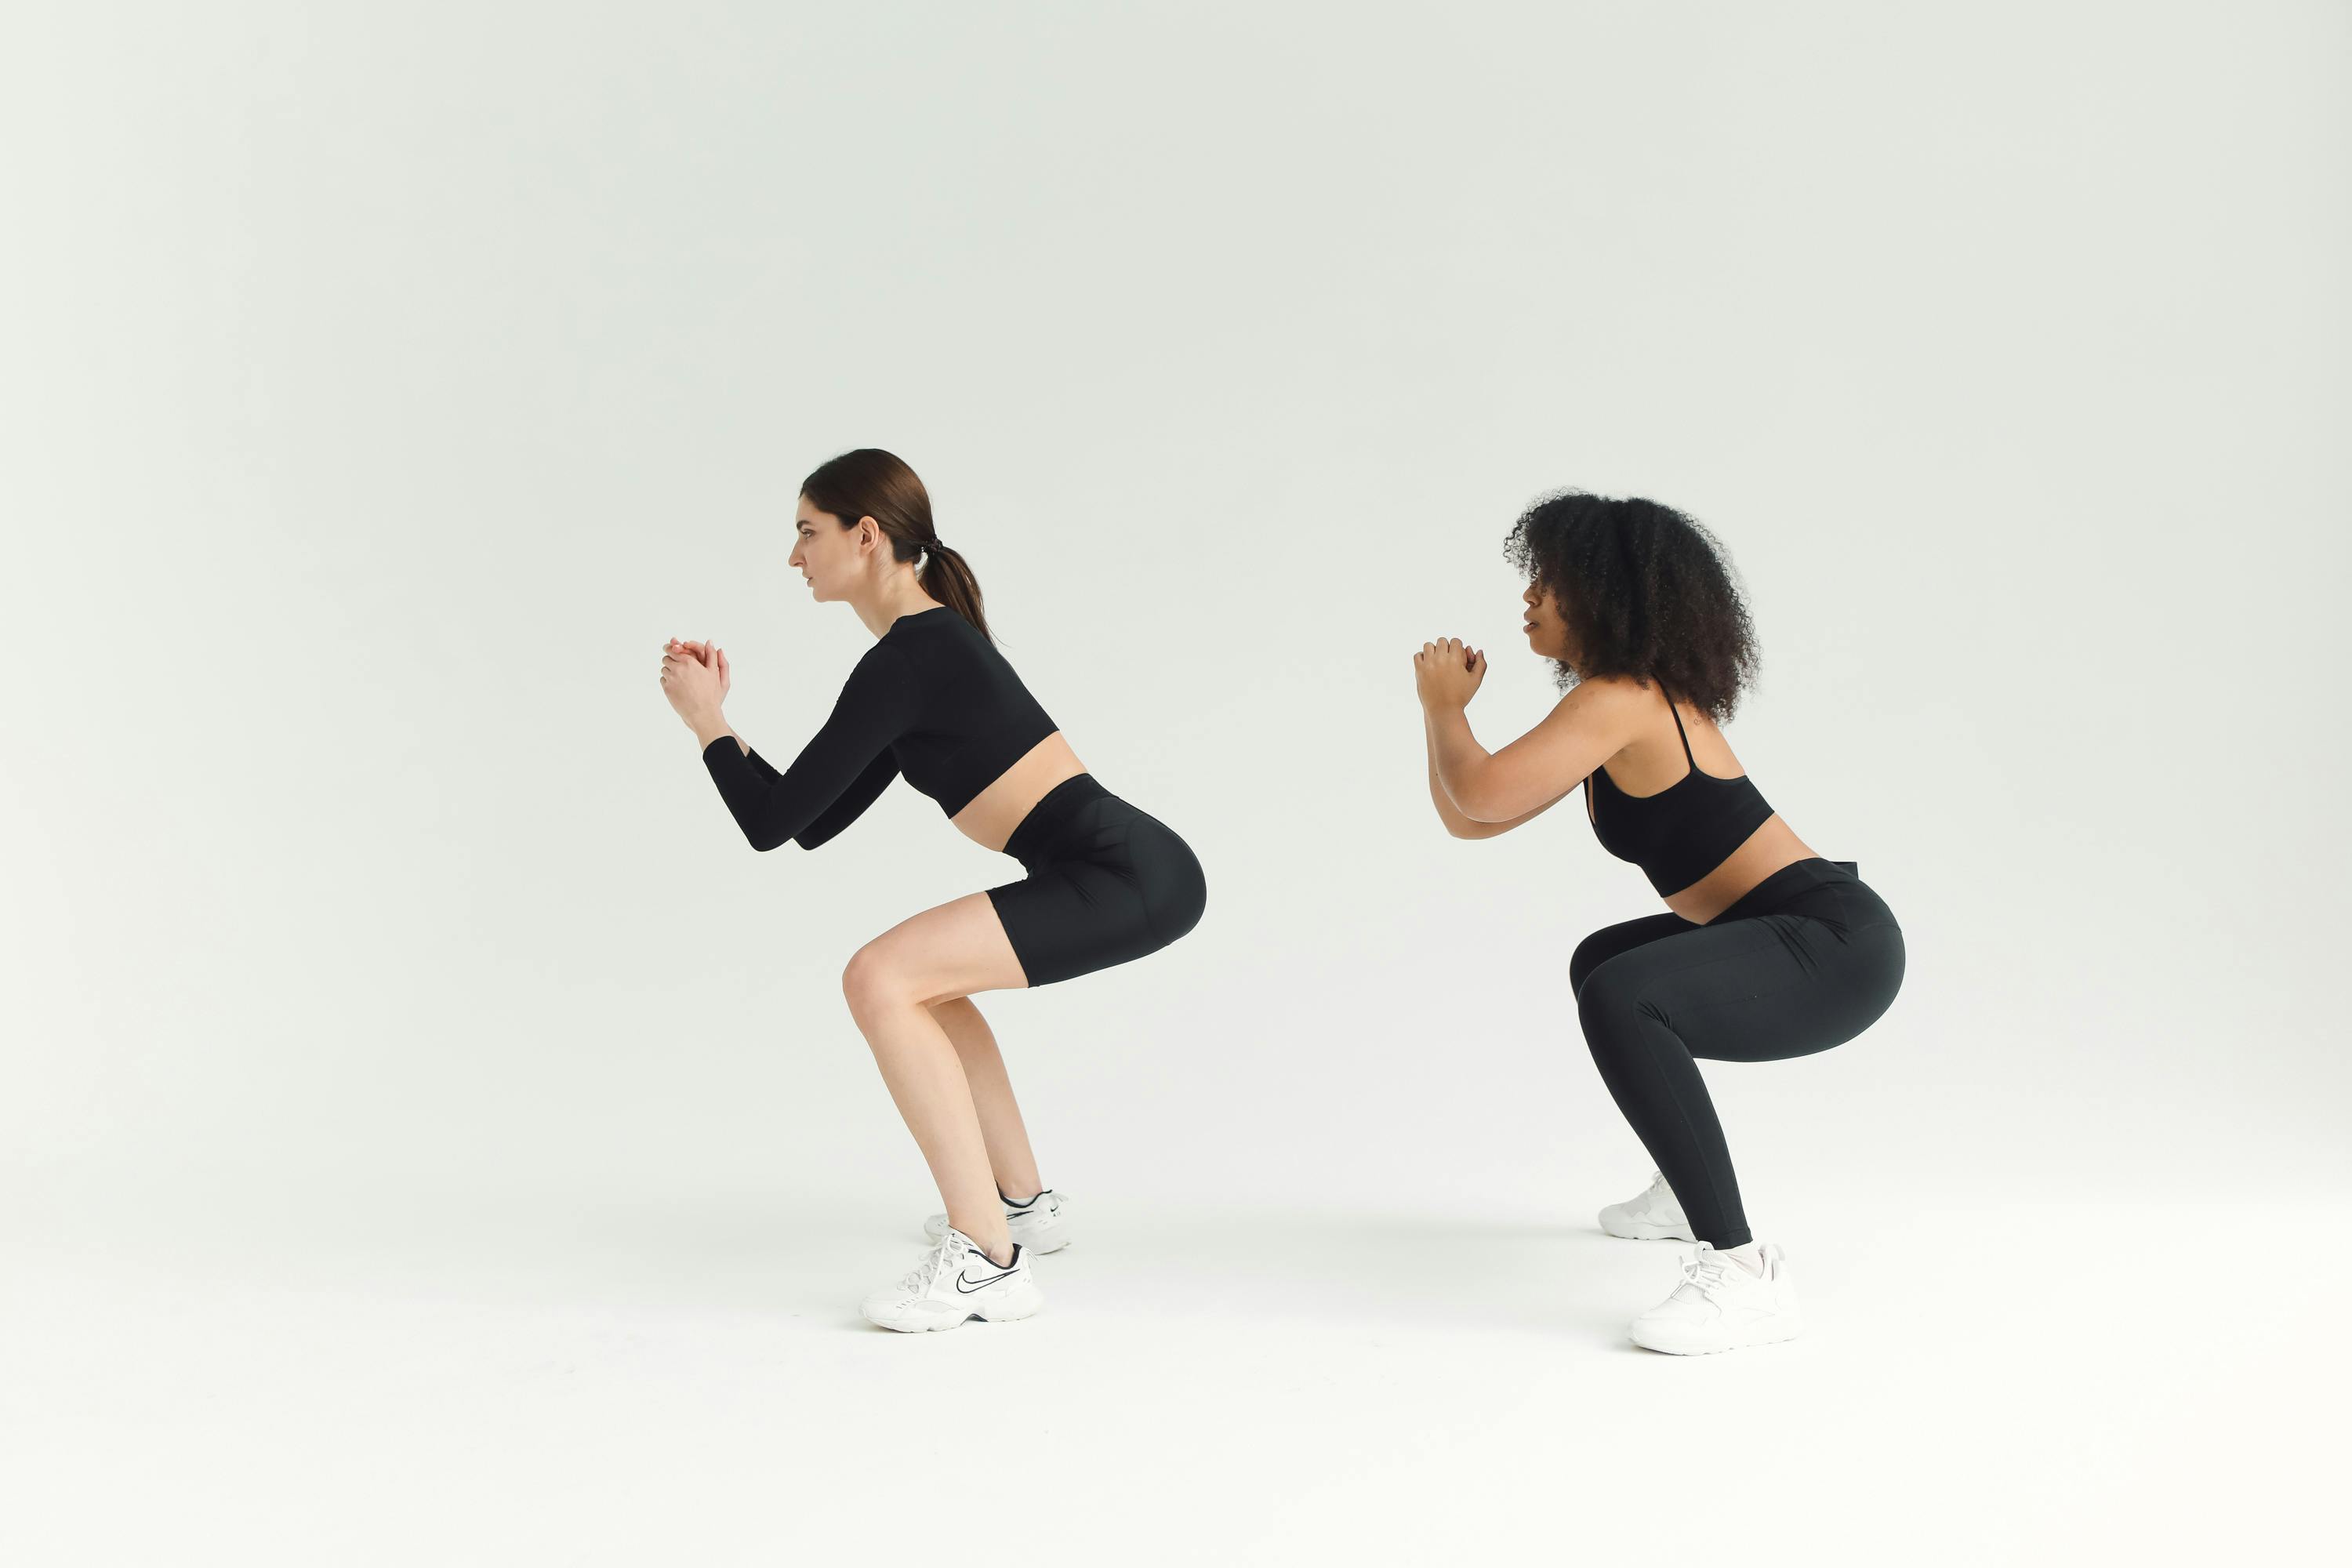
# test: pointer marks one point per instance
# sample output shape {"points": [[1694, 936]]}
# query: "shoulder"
{"points": [[1598, 718], [885, 667], [886, 653], [1604, 701]]}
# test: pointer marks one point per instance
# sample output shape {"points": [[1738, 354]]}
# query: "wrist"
{"points": [[708, 728]]}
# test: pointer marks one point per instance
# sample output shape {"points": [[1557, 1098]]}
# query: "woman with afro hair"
{"points": [[1767, 950]]}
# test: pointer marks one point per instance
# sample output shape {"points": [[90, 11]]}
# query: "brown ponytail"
{"points": [[871, 482]]}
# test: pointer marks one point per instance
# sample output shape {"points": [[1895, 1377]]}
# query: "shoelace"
{"points": [[946, 1256], [1708, 1274]]}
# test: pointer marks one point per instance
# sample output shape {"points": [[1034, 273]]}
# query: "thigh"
{"points": [[951, 951], [1761, 989], [1119, 884], [1610, 940], [1067, 917]]}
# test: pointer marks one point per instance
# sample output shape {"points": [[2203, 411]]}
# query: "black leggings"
{"points": [[1106, 883], [1807, 959]]}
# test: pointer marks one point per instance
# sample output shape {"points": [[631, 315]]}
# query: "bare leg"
{"points": [[992, 1097], [892, 983]]}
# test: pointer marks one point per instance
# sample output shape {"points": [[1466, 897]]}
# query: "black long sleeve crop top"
{"points": [[932, 699]]}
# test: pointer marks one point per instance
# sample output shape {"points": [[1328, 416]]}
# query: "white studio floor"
{"points": [[326, 1380]]}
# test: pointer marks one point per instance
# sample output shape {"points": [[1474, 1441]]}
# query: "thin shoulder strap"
{"points": [[1678, 725]]}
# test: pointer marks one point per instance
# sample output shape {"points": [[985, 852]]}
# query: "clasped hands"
{"points": [[695, 676], [1446, 673]]}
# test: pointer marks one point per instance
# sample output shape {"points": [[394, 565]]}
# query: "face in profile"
{"points": [[1546, 631], [823, 552]]}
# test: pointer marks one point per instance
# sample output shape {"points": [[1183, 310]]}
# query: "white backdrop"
{"points": [[379, 389]]}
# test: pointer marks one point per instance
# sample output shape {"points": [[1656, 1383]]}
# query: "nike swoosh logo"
{"points": [[968, 1286]]}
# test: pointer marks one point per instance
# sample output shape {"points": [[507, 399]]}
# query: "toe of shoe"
{"points": [[893, 1312], [1677, 1336], [1617, 1221], [1686, 1336]]}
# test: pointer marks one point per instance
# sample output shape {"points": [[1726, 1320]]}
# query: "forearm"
{"points": [[1456, 759], [808, 802], [709, 727], [761, 809], [849, 805], [1459, 825]]}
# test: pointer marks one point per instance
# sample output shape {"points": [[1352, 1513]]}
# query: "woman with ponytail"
{"points": [[935, 700]]}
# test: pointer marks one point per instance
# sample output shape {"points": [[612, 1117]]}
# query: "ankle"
{"points": [[996, 1245]]}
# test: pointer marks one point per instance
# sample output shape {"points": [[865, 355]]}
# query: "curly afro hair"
{"points": [[1643, 591]]}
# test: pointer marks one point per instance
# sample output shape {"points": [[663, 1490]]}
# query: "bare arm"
{"points": [[1459, 825], [1585, 728]]}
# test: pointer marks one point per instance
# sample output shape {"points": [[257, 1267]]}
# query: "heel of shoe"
{"points": [[1043, 1239]]}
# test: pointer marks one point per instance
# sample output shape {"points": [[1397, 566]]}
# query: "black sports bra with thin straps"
{"points": [[1682, 832]]}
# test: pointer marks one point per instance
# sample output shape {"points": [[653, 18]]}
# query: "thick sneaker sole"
{"points": [[1018, 1304], [1051, 1238], [1671, 1342], [1632, 1229]]}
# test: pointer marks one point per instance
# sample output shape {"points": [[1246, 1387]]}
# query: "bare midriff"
{"points": [[1659, 762], [1767, 849], [989, 817]]}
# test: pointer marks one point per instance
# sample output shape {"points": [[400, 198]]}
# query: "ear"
{"points": [[870, 533]]}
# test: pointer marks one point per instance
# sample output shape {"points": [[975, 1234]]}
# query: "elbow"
{"points": [[1457, 825], [1475, 796], [1475, 804]]}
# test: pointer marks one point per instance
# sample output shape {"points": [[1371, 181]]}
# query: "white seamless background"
{"points": [[386, 988]]}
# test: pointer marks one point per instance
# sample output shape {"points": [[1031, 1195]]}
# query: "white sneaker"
{"points": [[1722, 1306], [1655, 1215], [1042, 1225], [955, 1282]]}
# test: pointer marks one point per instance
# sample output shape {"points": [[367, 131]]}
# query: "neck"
{"points": [[901, 595]]}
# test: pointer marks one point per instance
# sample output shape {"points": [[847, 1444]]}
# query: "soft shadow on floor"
{"points": [[762, 1255]]}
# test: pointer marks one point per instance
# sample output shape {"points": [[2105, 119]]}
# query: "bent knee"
{"points": [[1609, 1005], [871, 980], [1589, 956]]}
